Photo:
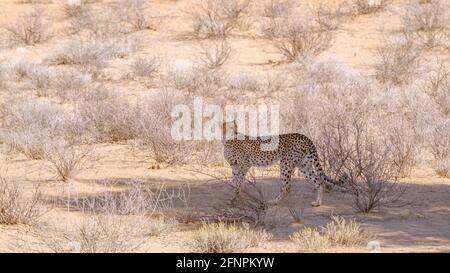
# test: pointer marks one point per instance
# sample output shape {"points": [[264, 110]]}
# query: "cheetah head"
{"points": [[229, 130]]}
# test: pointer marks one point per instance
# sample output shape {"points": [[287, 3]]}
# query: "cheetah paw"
{"points": [[315, 204]]}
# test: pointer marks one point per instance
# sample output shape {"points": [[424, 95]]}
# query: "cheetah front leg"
{"points": [[239, 173], [286, 171]]}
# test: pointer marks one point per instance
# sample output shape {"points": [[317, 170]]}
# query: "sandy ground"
{"points": [[421, 226]]}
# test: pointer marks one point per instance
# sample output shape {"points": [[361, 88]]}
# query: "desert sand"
{"points": [[422, 224]]}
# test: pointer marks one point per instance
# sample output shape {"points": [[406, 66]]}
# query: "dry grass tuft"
{"points": [[221, 238], [310, 240], [146, 68], [161, 225], [339, 232]]}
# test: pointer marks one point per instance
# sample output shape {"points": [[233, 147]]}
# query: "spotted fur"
{"points": [[293, 151]]}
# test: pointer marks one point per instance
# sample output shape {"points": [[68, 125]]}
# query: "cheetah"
{"points": [[293, 151]]}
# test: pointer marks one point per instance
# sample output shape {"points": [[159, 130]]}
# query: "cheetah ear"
{"points": [[224, 128]]}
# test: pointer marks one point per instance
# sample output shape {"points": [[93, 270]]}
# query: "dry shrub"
{"points": [[417, 107], [328, 15], [181, 75], [74, 129], [222, 238], [16, 70], [145, 68], [38, 129], [325, 74], [30, 28], [96, 233], [296, 36], [16, 207], [243, 82], [196, 80], [108, 116], [136, 197], [398, 60], [441, 167], [440, 147], [426, 22], [369, 6], [216, 53], [438, 88], [362, 139], [278, 8], [133, 13], [66, 159], [102, 23], [250, 206], [40, 79], [265, 86], [217, 18], [77, 24], [153, 128], [74, 8], [271, 85], [28, 125], [44, 80], [119, 219], [69, 84], [339, 232], [404, 144], [365, 159], [90, 55], [37, 77]]}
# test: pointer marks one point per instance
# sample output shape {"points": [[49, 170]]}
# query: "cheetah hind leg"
{"points": [[311, 176]]}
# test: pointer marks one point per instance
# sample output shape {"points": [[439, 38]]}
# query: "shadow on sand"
{"points": [[424, 221]]}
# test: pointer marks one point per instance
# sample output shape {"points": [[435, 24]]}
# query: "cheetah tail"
{"points": [[339, 183]]}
